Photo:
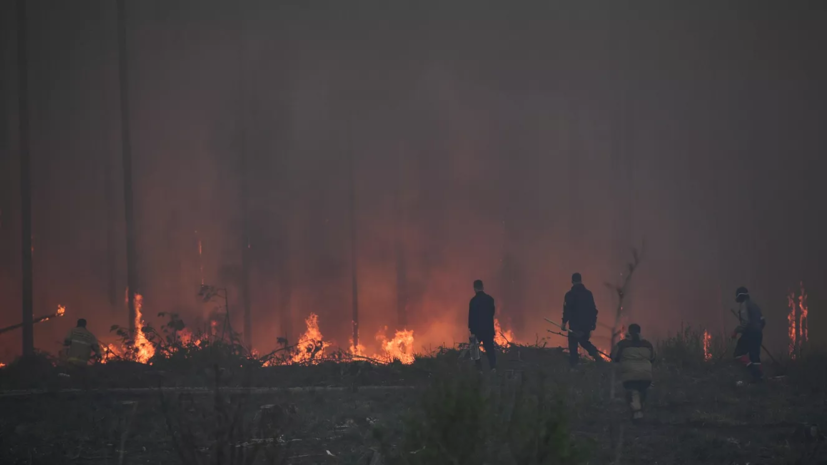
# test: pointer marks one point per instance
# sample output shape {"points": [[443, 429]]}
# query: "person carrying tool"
{"points": [[635, 356], [751, 328], [580, 314], [481, 324], [81, 344]]}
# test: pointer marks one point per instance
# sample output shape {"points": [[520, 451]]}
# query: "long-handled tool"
{"points": [[762, 345], [60, 311], [575, 333]]}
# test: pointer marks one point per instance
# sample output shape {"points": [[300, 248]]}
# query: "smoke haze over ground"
{"points": [[515, 146]]}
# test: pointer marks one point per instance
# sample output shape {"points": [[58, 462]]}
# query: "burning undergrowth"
{"points": [[175, 341]]}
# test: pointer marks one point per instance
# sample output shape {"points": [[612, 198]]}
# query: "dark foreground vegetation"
{"points": [[435, 411]]}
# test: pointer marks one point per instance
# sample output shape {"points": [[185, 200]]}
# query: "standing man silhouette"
{"points": [[481, 323]]}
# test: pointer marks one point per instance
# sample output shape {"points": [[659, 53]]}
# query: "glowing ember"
{"points": [[2, 364], [502, 338], [60, 310], [311, 344], [707, 345], [399, 348], [144, 350]]}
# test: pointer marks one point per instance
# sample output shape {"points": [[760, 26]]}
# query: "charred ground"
{"points": [[534, 411]]}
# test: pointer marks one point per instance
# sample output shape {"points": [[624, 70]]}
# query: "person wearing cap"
{"points": [[579, 319], [635, 356], [81, 344], [751, 328], [481, 323]]}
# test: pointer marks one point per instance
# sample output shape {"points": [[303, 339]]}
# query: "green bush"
{"points": [[463, 419], [685, 348]]}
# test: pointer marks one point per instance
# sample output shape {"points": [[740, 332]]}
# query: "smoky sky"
{"points": [[514, 144]]}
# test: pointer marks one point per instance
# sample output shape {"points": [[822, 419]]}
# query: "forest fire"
{"points": [[707, 345]]}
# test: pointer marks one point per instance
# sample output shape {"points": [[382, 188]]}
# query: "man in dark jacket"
{"points": [[481, 323], [751, 329], [580, 314]]}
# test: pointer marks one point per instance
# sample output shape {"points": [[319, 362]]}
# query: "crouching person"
{"points": [[81, 345], [635, 356]]}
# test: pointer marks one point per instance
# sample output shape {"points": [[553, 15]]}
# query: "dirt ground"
{"points": [[337, 413]]}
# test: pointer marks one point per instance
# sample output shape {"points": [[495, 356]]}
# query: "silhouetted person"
{"points": [[81, 343], [635, 356], [481, 323], [751, 329], [580, 314]]}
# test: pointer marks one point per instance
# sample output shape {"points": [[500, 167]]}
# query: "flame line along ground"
{"points": [[197, 390]]}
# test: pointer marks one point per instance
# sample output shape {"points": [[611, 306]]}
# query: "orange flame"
{"points": [[61, 310], [2, 364], [803, 323], [502, 338], [399, 348], [109, 352], [144, 349], [186, 337], [791, 322], [356, 350], [707, 345], [311, 344]]}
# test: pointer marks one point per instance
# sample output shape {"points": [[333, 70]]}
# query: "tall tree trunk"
{"points": [[111, 248], [126, 151], [400, 231], [245, 207], [353, 268], [25, 181]]}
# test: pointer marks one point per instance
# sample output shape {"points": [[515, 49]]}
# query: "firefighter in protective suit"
{"points": [[635, 356], [81, 344], [751, 328]]}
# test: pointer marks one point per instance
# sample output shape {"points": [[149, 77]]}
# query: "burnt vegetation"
{"points": [[214, 403]]}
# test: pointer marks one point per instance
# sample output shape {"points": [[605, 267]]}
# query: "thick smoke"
{"points": [[512, 146]]}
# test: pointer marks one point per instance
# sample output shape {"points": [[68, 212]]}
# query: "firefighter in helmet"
{"points": [[81, 344]]}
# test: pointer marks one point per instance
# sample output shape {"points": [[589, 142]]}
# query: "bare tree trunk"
{"points": [[400, 231], [353, 268], [245, 213], [126, 151], [25, 181], [111, 248], [401, 284], [622, 291]]}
